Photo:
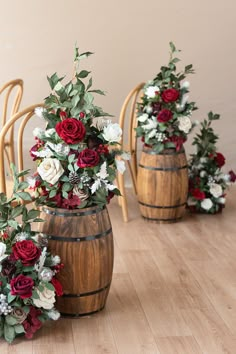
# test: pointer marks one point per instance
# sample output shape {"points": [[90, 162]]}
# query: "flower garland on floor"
{"points": [[76, 153], [207, 182], [164, 114], [28, 283]]}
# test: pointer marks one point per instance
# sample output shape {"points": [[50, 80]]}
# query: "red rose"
{"points": [[170, 95], [58, 287], [88, 158], [26, 251], [22, 286], [198, 194], [178, 141], [219, 159], [71, 130], [232, 176], [164, 115], [31, 324]]}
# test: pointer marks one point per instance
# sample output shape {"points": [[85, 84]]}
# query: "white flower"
{"points": [[31, 181], [184, 101], [151, 134], [3, 248], [226, 177], [125, 156], [203, 174], [44, 152], [185, 124], [185, 84], [206, 204], [196, 122], [120, 165], [151, 124], [53, 314], [41, 261], [148, 109], [203, 159], [216, 190], [60, 149], [221, 200], [102, 174], [21, 236], [38, 132], [112, 133], [39, 112], [150, 91], [55, 260], [46, 274], [49, 132], [50, 170], [46, 298], [143, 117], [96, 185]]}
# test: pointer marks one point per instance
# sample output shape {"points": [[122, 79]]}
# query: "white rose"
{"points": [[38, 132], [53, 314], [221, 200], [216, 190], [112, 133], [50, 170], [46, 299], [3, 248], [185, 84], [206, 204], [185, 124], [120, 165], [150, 91], [143, 117]]}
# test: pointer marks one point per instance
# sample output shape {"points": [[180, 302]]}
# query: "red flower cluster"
{"points": [[31, 324], [26, 251]]}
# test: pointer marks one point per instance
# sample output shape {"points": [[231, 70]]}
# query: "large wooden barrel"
{"points": [[84, 241], [162, 185]]}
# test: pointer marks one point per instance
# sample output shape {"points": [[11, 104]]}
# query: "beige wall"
{"points": [[130, 40]]}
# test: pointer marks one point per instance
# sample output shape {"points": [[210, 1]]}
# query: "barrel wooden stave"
{"points": [[85, 245], [162, 186]]}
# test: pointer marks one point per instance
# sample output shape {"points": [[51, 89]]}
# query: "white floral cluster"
{"points": [[5, 309]]}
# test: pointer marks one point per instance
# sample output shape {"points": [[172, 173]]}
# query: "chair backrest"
{"points": [[10, 99], [128, 122], [23, 117]]}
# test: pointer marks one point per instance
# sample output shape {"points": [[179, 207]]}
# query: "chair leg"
{"points": [[123, 199]]}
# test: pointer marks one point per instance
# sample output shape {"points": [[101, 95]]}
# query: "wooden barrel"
{"points": [[84, 241], [162, 185]]}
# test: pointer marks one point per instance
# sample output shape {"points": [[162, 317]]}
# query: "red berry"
{"points": [[82, 114]]}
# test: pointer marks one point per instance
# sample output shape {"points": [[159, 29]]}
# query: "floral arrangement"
{"points": [[164, 113], [207, 182], [28, 283], [77, 153]]}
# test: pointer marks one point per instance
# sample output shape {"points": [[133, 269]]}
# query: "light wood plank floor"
{"points": [[173, 292]]}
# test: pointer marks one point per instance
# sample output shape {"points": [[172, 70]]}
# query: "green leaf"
{"points": [[19, 329], [66, 187], [23, 195], [16, 211], [100, 92], [10, 297], [83, 74], [10, 320], [35, 295], [52, 193], [12, 223], [172, 47], [49, 286], [84, 55], [9, 333], [32, 214]]}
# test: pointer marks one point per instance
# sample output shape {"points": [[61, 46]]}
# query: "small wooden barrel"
{"points": [[162, 185], [84, 241]]}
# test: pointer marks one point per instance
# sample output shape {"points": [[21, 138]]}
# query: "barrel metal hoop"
{"points": [[89, 293], [157, 219], [163, 169], [79, 213], [80, 239], [76, 315], [151, 152], [162, 207]]}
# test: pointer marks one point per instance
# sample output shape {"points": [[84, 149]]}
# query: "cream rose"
{"points": [[46, 299], [50, 170], [206, 204], [185, 124], [112, 133], [150, 91], [216, 190]]}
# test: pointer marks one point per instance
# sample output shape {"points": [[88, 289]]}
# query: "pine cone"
{"points": [[74, 177], [81, 193]]}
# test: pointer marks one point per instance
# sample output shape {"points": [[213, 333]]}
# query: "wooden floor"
{"points": [[173, 292]]}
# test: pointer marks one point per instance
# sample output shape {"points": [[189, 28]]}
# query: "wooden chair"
{"points": [[10, 97], [18, 158], [128, 123]]}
